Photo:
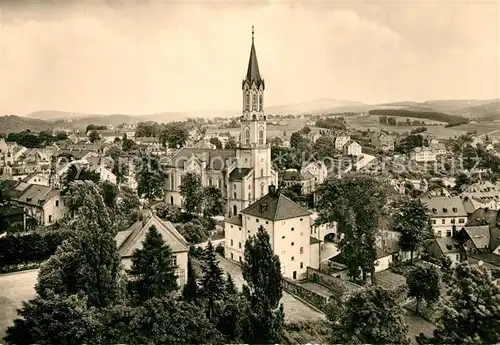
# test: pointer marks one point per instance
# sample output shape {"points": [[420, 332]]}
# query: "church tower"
{"points": [[253, 120]]}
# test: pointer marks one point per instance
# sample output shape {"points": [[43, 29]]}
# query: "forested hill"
{"points": [[451, 120]]}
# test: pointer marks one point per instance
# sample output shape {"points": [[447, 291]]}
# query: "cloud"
{"points": [[121, 57]]}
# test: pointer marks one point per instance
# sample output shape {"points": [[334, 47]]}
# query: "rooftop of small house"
{"points": [[438, 206], [447, 245], [36, 195]]}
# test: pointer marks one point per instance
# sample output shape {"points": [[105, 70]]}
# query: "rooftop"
{"points": [[275, 206]]}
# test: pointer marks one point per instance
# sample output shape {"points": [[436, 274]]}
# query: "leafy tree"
{"points": [[168, 212], [147, 129], [190, 290], [410, 142], [262, 273], [216, 142], [461, 180], [276, 142], [128, 145], [120, 168], [324, 147], [174, 134], [414, 225], [296, 140], [213, 202], [150, 179], [191, 191], [152, 271], [230, 287], [231, 144], [128, 203], [109, 192], [194, 231], [94, 136], [166, 321], [212, 282], [424, 284], [356, 202], [305, 130], [371, 316], [471, 313], [76, 173]]}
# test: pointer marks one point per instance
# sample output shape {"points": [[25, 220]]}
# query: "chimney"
{"points": [[272, 189]]}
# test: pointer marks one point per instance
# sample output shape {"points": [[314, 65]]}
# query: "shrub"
{"points": [[219, 249]]}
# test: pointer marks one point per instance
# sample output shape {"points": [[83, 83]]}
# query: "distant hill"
{"points": [[13, 123], [313, 106]]}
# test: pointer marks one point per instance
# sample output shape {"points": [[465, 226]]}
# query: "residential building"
{"points": [[384, 142], [438, 148], [289, 227], [446, 214], [423, 155], [129, 240], [352, 148], [243, 174], [341, 140], [445, 246], [42, 203], [305, 179], [318, 169], [37, 178]]}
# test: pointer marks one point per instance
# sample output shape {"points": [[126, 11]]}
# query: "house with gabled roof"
{"points": [[445, 246], [129, 240], [446, 214], [288, 225], [41, 203]]}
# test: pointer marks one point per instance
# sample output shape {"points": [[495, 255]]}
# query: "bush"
{"points": [[219, 249], [24, 248]]}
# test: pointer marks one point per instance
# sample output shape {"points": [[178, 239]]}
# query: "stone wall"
{"points": [[312, 297], [339, 287]]}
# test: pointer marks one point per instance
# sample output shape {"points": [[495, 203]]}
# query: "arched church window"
{"points": [[262, 190], [254, 102], [219, 183], [261, 172], [247, 136], [261, 135], [210, 182], [247, 101], [260, 102]]}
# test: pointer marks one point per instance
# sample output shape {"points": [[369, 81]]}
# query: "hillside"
{"points": [[313, 106], [13, 123]]}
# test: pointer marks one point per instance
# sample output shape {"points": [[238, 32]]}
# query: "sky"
{"points": [[142, 57]]}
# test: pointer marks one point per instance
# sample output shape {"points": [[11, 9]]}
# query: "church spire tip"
{"points": [[252, 34]]}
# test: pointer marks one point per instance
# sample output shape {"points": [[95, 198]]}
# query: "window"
{"points": [[448, 233], [294, 275], [267, 222], [219, 183], [231, 226], [301, 219], [239, 229], [234, 186], [261, 172], [247, 136], [210, 181], [249, 196], [257, 220], [293, 258], [301, 250], [247, 101], [293, 229], [231, 243], [254, 101], [50, 218], [292, 244], [234, 195], [443, 221], [262, 190], [260, 102], [461, 220], [282, 237], [57, 203], [261, 136], [174, 260], [453, 221], [458, 257], [433, 221], [301, 265], [240, 259], [439, 233], [239, 245], [232, 256]]}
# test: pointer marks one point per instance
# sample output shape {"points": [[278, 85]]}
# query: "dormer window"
{"points": [[434, 210], [445, 210], [455, 209], [263, 207]]}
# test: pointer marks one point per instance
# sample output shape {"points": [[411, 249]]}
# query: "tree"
{"points": [[191, 191], [147, 129], [152, 272], [471, 314], [216, 142], [128, 145], [231, 144], [305, 130], [213, 202], [150, 179], [296, 140], [190, 290], [324, 147], [424, 284], [276, 142], [109, 192], [414, 225], [94, 136], [356, 202], [75, 173], [194, 231], [230, 287], [262, 273], [212, 282], [371, 316], [174, 134]]}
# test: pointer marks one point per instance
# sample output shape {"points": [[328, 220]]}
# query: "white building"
{"points": [[341, 140], [244, 174], [131, 239], [318, 170], [289, 227], [352, 148], [42, 203], [445, 214], [423, 155]]}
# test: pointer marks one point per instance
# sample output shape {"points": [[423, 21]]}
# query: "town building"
{"points": [[352, 148], [341, 140], [423, 155], [318, 169], [383, 142], [243, 174], [41, 203], [129, 240], [445, 246], [305, 179], [289, 227], [446, 214]]}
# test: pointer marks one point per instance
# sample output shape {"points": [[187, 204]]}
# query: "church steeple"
{"points": [[253, 73]]}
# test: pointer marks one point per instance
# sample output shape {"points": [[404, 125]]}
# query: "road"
{"points": [[14, 288]]}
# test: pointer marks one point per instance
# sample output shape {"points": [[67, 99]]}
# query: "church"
{"points": [[243, 175]]}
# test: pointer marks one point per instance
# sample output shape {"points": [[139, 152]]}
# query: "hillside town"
{"points": [[262, 228]]}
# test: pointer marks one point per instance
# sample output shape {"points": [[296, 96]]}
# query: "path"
{"points": [[489, 133], [295, 310], [14, 288]]}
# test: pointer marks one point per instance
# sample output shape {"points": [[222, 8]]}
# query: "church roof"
{"points": [[238, 173], [275, 206], [215, 158], [253, 73]]}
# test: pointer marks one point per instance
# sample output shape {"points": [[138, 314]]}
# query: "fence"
{"points": [[339, 287]]}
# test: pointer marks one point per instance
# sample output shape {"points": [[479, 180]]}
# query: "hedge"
{"points": [[29, 247]]}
